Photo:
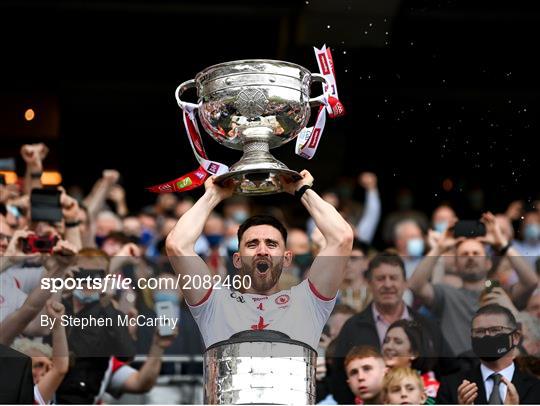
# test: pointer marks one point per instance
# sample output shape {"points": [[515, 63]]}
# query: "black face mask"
{"points": [[491, 348]]}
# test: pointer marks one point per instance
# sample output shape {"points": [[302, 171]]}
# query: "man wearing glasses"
{"points": [[498, 380]]}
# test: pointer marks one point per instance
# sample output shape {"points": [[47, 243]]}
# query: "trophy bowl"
{"points": [[254, 105]]}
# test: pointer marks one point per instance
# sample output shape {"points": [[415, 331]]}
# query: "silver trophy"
{"points": [[259, 367], [253, 106]]}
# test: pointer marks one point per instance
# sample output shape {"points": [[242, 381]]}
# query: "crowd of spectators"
{"points": [[417, 305]]}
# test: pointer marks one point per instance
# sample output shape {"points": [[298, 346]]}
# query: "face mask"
{"points": [[415, 247], [165, 296], [232, 244], [532, 232], [240, 216], [86, 299], [214, 240], [100, 240], [146, 237], [440, 226], [303, 260], [491, 348]]}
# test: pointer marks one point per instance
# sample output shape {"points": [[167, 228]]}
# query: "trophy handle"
{"points": [[181, 89], [317, 101]]}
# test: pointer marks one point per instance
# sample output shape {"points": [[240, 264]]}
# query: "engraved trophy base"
{"points": [[258, 172]]}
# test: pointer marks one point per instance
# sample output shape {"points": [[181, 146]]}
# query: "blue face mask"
{"points": [[146, 237], [440, 226], [165, 296], [415, 247], [86, 299], [214, 240], [232, 244], [532, 232], [240, 216]]}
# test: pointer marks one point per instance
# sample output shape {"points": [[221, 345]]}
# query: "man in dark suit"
{"points": [[498, 380], [387, 281], [16, 384]]}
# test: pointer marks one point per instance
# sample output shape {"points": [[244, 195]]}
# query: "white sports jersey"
{"points": [[301, 313], [15, 285]]}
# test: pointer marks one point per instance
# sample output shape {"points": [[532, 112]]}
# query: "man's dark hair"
{"points": [[361, 246], [260, 220], [497, 309], [342, 308], [386, 258]]}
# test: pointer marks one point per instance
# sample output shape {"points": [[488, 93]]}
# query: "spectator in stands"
{"points": [[455, 307], [365, 371], [386, 278], [403, 386], [498, 380]]}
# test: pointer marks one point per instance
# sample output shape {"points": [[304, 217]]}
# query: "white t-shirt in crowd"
{"points": [[300, 312]]}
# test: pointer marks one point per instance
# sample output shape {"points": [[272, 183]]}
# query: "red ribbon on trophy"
{"points": [[309, 138], [206, 168], [306, 144]]}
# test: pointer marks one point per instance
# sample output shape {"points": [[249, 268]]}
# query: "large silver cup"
{"points": [[253, 106], [259, 367]]}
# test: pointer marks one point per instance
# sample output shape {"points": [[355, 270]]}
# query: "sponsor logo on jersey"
{"points": [[237, 297], [257, 299]]}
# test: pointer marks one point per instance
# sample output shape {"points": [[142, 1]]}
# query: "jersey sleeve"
{"points": [[204, 312], [120, 373], [317, 306]]}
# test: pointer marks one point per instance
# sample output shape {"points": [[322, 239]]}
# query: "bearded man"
{"points": [[300, 312]]}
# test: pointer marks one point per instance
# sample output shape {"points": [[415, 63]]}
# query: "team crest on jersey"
{"points": [[2, 300], [281, 300]]}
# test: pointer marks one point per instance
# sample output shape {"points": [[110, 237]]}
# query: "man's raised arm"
{"points": [[181, 240], [327, 271]]}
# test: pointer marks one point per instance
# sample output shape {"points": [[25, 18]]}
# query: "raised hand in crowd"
{"points": [[118, 195], [145, 379], [96, 199], [49, 383], [71, 213], [497, 295], [367, 225], [33, 155], [368, 180], [129, 254], [27, 318], [14, 252], [527, 278]]}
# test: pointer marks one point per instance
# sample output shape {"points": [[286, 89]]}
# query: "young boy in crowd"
{"points": [[403, 386], [365, 370]]}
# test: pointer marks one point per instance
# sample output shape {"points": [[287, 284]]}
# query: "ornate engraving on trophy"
{"points": [[251, 103]]}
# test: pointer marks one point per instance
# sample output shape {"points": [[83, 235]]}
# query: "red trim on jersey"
{"points": [[316, 292], [116, 364], [17, 283], [204, 299]]}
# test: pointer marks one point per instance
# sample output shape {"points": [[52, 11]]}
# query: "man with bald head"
{"points": [[455, 307]]}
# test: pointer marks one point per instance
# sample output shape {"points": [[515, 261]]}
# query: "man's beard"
{"points": [[264, 272], [473, 274]]}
